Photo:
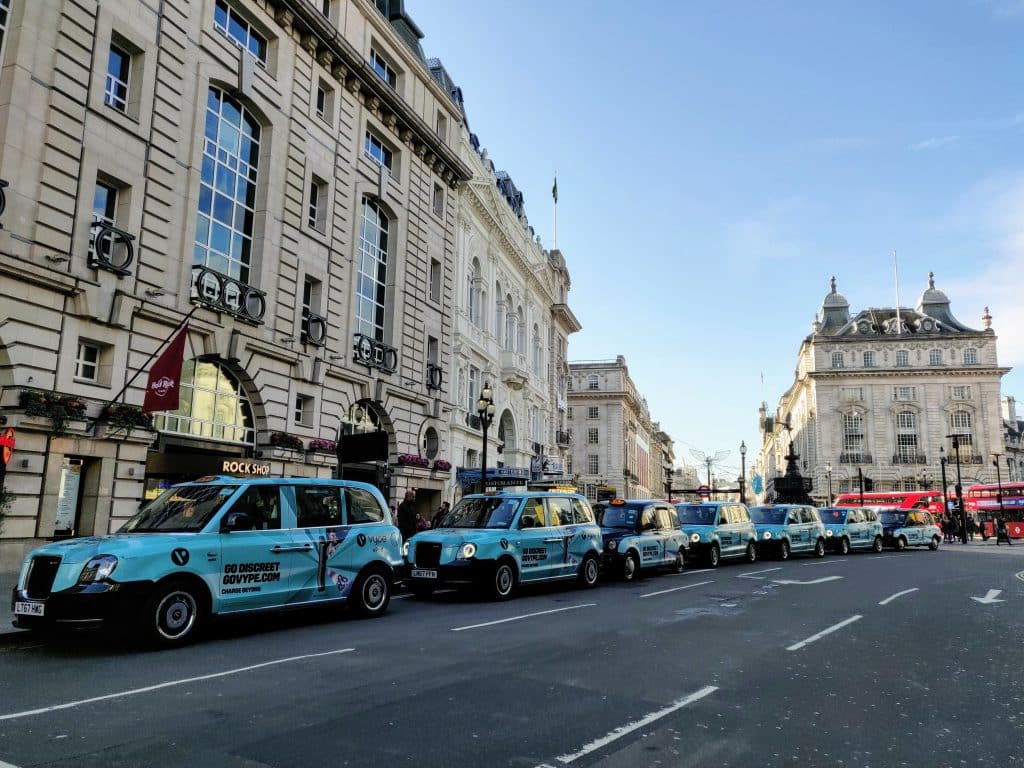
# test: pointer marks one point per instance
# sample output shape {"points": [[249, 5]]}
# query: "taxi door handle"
{"points": [[554, 540], [298, 548]]}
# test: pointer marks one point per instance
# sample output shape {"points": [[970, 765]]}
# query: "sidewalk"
{"points": [[981, 547], [8, 579]]}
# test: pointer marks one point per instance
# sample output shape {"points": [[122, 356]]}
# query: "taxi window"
{"points": [[533, 513], [583, 512], [647, 519], [869, 516], [740, 515], [854, 516], [667, 519], [262, 503], [362, 507], [724, 515], [317, 506], [914, 520], [185, 508], [559, 512], [811, 515], [835, 516]]}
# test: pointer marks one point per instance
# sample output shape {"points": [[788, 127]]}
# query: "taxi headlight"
{"points": [[612, 545], [828, 532], [695, 538], [98, 568], [405, 549], [466, 551], [767, 535]]}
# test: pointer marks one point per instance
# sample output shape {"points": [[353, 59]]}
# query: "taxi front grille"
{"points": [[428, 554], [41, 573]]}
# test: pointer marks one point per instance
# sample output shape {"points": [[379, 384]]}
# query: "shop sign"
{"points": [[553, 465], [245, 468]]}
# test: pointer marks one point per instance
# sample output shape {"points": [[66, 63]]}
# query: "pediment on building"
{"points": [[889, 322]]}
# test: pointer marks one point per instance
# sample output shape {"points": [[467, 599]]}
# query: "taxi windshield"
{"points": [[184, 508], [768, 515], [892, 517], [833, 516], [615, 517], [695, 514], [487, 512]]}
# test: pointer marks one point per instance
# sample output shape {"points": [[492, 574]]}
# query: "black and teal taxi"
{"points": [[496, 541], [718, 529], [850, 528], [902, 528], [638, 535], [784, 529], [218, 546]]}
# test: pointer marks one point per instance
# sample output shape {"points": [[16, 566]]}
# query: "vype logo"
{"points": [[163, 385]]}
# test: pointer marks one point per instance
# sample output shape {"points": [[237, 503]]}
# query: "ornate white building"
{"points": [[880, 392], [511, 332]]}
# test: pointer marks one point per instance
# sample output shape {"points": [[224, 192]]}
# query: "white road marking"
{"points": [[822, 580], [890, 598], [829, 561], [1020, 575], [524, 616], [168, 684], [7, 765], [687, 573], [621, 731], [990, 597], [676, 589], [750, 574], [829, 631]]}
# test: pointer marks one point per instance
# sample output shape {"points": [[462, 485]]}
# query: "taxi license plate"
{"points": [[420, 573], [29, 609]]}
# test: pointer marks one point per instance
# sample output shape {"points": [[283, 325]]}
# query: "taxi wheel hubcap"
{"points": [[751, 553], [784, 551], [590, 571], [374, 591], [629, 568], [680, 562], [176, 614], [878, 544], [713, 557], [844, 547], [503, 580]]}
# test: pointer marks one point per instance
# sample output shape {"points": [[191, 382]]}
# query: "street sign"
{"points": [[704, 490]]}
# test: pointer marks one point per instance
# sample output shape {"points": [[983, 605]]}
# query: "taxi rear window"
{"points": [[181, 508]]}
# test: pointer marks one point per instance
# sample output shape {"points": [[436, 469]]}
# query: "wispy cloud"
{"points": [[935, 142]]}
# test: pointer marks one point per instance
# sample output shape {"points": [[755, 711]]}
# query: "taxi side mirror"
{"points": [[237, 521]]}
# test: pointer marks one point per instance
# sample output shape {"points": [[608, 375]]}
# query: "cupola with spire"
{"points": [[835, 311], [935, 304]]}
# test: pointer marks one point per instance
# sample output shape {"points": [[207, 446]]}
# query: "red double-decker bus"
{"points": [[930, 500], [985, 498]]}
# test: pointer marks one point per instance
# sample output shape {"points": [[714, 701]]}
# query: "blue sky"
{"points": [[718, 161]]}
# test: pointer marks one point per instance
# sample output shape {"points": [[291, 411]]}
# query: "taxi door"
{"points": [[796, 529], [914, 529], [539, 543], [560, 521], [258, 566], [727, 533]]}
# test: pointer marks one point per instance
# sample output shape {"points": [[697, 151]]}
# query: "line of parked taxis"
{"points": [[225, 545]]}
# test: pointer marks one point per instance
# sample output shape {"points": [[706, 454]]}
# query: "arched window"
{"points": [[853, 437], [227, 187], [211, 404], [359, 418], [960, 423], [906, 437], [372, 276]]}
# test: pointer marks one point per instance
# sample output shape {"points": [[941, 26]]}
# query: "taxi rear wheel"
{"points": [[783, 550], [751, 553], [901, 544], [819, 548], [503, 581], [371, 593], [844, 546], [679, 565], [173, 614], [877, 544], [714, 556], [934, 543], [589, 572], [630, 567]]}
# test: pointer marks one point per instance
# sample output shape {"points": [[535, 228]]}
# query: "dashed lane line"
{"points": [[819, 635], [168, 684], [750, 574], [890, 598], [830, 561], [688, 572], [524, 616], [676, 589], [822, 580], [628, 728]]}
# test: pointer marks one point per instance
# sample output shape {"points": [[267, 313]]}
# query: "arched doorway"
{"points": [[364, 445]]}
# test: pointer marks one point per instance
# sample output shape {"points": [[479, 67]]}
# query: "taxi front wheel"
{"points": [[751, 553], [714, 556], [173, 614], [901, 544], [630, 567], [844, 546], [679, 565], [503, 581], [783, 550], [819, 548]]}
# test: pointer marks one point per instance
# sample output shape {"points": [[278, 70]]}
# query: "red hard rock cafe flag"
{"points": [[165, 376]]}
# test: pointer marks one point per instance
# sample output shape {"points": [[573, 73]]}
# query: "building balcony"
{"points": [[855, 458], [514, 370], [909, 458]]}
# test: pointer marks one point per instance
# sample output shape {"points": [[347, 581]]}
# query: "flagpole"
{"points": [[149, 359], [554, 223], [896, 275]]}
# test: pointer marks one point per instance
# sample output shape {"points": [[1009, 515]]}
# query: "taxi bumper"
{"points": [[461, 573], [86, 606]]}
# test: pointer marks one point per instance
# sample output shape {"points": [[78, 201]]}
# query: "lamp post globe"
{"points": [[485, 410]]}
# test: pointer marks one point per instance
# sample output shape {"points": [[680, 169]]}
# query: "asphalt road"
{"points": [[869, 660]]}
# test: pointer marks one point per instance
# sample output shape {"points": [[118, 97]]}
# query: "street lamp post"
{"points": [[485, 410], [942, 464], [860, 482], [999, 483], [743, 472], [828, 474], [959, 488]]}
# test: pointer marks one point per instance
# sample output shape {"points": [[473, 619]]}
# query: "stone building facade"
{"points": [[880, 391], [283, 174], [615, 445]]}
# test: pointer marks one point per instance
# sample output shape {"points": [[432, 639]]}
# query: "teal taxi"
{"points": [[718, 529], [640, 534], [849, 528], [784, 529], [496, 541], [902, 528], [217, 546]]}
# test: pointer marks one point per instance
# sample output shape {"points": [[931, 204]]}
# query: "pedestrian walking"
{"points": [[1002, 532], [972, 526], [407, 514], [982, 529]]}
